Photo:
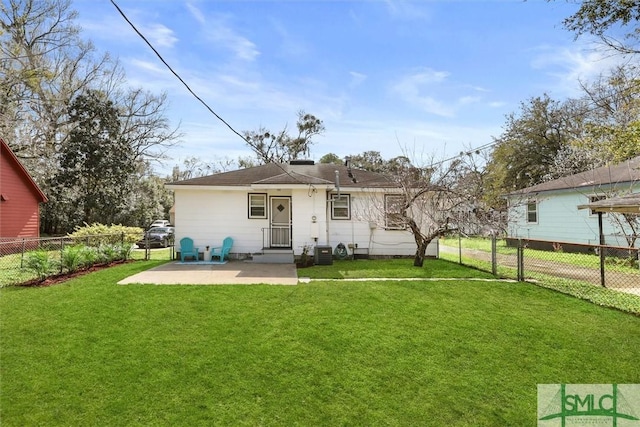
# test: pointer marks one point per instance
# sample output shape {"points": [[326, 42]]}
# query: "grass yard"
{"points": [[404, 353]]}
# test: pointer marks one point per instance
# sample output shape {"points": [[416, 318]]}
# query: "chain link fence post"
{"points": [[494, 255], [61, 254], [520, 261]]}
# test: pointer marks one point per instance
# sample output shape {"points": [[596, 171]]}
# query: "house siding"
{"points": [[560, 220], [19, 201], [208, 215]]}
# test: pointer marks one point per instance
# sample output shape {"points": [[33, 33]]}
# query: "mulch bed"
{"points": [[63, 277]]}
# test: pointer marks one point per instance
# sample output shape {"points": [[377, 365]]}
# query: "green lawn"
{"points": [[403, 353]]}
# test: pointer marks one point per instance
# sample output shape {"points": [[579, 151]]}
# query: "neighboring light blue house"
{"points": [[549, 211]]}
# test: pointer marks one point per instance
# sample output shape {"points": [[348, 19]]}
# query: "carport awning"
{"points": [[629, 203]]}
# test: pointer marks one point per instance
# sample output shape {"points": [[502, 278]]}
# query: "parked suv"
{"points": [[157, 236]]}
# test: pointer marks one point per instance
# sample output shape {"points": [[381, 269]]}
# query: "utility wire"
{"points": [[176, 74], [461, 154], [193, 93]]}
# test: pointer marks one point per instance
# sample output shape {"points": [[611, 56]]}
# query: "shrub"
{"points": [[125, 251], [90, 256], [110, 252], [98, 234], [41, 262], [72, 258]]}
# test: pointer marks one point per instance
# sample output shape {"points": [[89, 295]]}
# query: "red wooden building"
{"points": [[20, 197]]}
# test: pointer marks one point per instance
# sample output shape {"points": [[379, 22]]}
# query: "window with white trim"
{"points": [[340, 206], [257, 206], [394, 211], [532, 211]]}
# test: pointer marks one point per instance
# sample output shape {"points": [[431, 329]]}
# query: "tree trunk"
{"points": [[418, 260], [422, 241]]}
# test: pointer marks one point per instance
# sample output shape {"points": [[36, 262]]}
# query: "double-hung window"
{"points": [[394, 211], [257, 206], [532, 211], [341, 206]]}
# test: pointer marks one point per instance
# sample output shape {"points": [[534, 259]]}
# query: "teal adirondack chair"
{"points": [[187, 249], [222, 251]]}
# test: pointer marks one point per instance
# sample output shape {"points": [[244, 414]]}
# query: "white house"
{"points": [[291, 208], [550, 211]]}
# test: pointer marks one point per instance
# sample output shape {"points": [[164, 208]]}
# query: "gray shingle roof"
{"points": [[625, 172], [287, 174]]}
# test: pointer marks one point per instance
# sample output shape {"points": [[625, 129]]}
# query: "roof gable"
{"points": [[22, 172]]}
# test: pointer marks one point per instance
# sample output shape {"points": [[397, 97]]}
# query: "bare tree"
{"points": [[280, 147], [145, 125], [424, 204]]}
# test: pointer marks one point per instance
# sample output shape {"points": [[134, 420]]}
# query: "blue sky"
{"points": [[424, 78]]}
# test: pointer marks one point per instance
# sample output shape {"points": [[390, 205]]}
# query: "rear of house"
{"points": [[294, 207]]}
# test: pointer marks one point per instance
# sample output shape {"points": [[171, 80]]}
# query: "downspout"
{"points": [[327, 215]]}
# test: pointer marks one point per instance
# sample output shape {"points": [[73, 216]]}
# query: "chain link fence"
{"points": [[605, 275], [33, 260]]}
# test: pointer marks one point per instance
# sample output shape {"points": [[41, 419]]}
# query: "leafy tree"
{"points": [[602, 18], [148, 200], [331, 158], [528, 147], [368, 160], [45, 66], [96, 161], [613, 125], [281, 147]]}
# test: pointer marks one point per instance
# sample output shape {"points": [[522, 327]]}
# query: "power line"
{"points": [[594, 102], [176, 74], [192, 92]]}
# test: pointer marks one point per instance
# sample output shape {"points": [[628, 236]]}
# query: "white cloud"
{"points": [[356, 78], [407, 10], [218, 31], [412, 89], [569, 66], [196, 13], [159, 35]]}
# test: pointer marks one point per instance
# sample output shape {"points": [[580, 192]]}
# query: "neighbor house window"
{"points": [[341, 206], [394, 212], [593, 199], [257, 206], [532, 211]]}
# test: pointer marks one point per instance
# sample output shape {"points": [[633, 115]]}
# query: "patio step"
{"points": [[274, 256]]}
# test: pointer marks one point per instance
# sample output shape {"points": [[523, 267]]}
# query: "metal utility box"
{"points": [[323, 255]]}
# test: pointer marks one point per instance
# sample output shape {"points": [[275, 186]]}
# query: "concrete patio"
{"points": [[230, 273]]}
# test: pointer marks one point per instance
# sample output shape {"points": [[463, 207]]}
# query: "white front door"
{"points": [[280, 222]]}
